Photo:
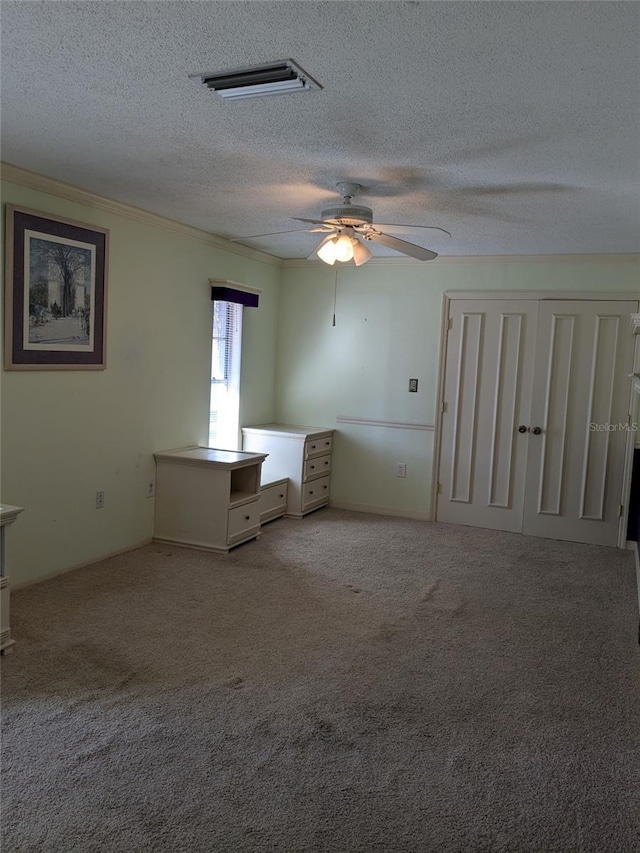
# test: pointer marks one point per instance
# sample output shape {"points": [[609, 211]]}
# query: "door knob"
{"points": [[523, 428], [536, 430]]}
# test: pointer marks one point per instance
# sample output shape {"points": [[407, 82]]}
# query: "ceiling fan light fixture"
{"points": [[339, 248], [361, 252]]}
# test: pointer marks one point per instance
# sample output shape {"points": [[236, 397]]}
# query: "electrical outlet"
{"points": [[151, 488], [99, 500], [401, 469], [413, 386]]}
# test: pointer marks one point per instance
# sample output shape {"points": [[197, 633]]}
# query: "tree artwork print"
{"points": [[55, 293], [60, 293]]}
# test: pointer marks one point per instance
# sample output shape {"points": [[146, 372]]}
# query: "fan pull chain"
{"points": [[335, 295]]}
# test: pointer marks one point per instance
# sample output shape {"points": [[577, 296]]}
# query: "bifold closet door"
{"points": [[584, 354], [488, 380]]}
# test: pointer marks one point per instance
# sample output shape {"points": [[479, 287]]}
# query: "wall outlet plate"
{"points": [[151, 488], [401, 469], [413, 385], [99, 500]]}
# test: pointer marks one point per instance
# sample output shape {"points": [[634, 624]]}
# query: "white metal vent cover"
{"points": [[258, 81]]}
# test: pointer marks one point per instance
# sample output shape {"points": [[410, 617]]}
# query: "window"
{"points": [[224, 409]]}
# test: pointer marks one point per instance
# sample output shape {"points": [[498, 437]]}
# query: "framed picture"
{"points": [[55, 292]]}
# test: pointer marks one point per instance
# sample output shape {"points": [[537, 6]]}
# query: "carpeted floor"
{"points": [[346, 684]]}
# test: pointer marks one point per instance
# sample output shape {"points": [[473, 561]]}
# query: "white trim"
{"points": [[442, 364], [235, 285], [34, 181], [381, 510], [347, 419], [629, 450], [602, 258], [9, 513], [544, 295], [635, 324], [54, 574]]}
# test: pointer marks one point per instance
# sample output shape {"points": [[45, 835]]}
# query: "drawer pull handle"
{"points": [[311, 492], [281, 496], [247, 518], [328, 443], [325, 487], [312, 467]]}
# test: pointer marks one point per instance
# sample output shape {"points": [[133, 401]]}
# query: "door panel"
{"points": [[553, 439], [465, 407], [490, 358], [574, 470]]}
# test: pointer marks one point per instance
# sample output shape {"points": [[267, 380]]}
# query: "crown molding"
{"points": [[602, 258], [51, 186]]}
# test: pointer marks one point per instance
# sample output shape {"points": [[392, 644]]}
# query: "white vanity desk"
{"points": [[207, 498]]}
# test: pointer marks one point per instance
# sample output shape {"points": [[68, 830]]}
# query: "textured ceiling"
{"points": [[515, 126]]}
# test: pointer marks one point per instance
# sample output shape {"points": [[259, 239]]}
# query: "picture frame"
{"points": [[55, 292]]}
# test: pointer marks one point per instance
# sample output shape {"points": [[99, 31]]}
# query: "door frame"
{"points": [[631, 443], [539, 296]]}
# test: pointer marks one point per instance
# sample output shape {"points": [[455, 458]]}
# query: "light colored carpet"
{"points": [[348, 683]]}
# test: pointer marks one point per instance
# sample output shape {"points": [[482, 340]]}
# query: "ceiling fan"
{"points": [[349, 227]]}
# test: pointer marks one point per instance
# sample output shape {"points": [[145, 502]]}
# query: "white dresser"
{"points": [[207, 498], [273, 498], [302, 454], [8, 515]]}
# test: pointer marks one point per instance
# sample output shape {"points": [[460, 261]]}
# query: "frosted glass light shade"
{"points": [[337, 249], [361, 252]]}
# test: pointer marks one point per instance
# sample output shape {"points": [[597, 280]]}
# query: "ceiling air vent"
{"points": [[258, 81]]}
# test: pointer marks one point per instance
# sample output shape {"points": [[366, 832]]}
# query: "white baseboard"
{"points": [[382, 510], [41, 578]]}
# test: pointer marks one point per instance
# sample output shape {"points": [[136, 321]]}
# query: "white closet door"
{"points": [[488, 377], [584, 353]]}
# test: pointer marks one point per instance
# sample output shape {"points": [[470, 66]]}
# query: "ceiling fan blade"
{"points": [[271, 234], [404, 225], [312, 221], [401, 246]]}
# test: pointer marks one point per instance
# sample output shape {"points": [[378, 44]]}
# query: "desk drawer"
{"points": [[317, 466], [273, 501], [244, 521], [318, 446], [316, 492]]}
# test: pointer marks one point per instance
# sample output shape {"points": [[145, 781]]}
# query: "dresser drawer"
{"points": [[315, 492], [317, 466], [244, 522], [318, 446], [273, 501]]}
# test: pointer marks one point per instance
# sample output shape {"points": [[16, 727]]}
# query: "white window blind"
{"points": [[225, 375]]}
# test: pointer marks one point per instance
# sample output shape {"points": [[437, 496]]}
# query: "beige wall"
{"points": [[387, 331], [67, 434]]}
